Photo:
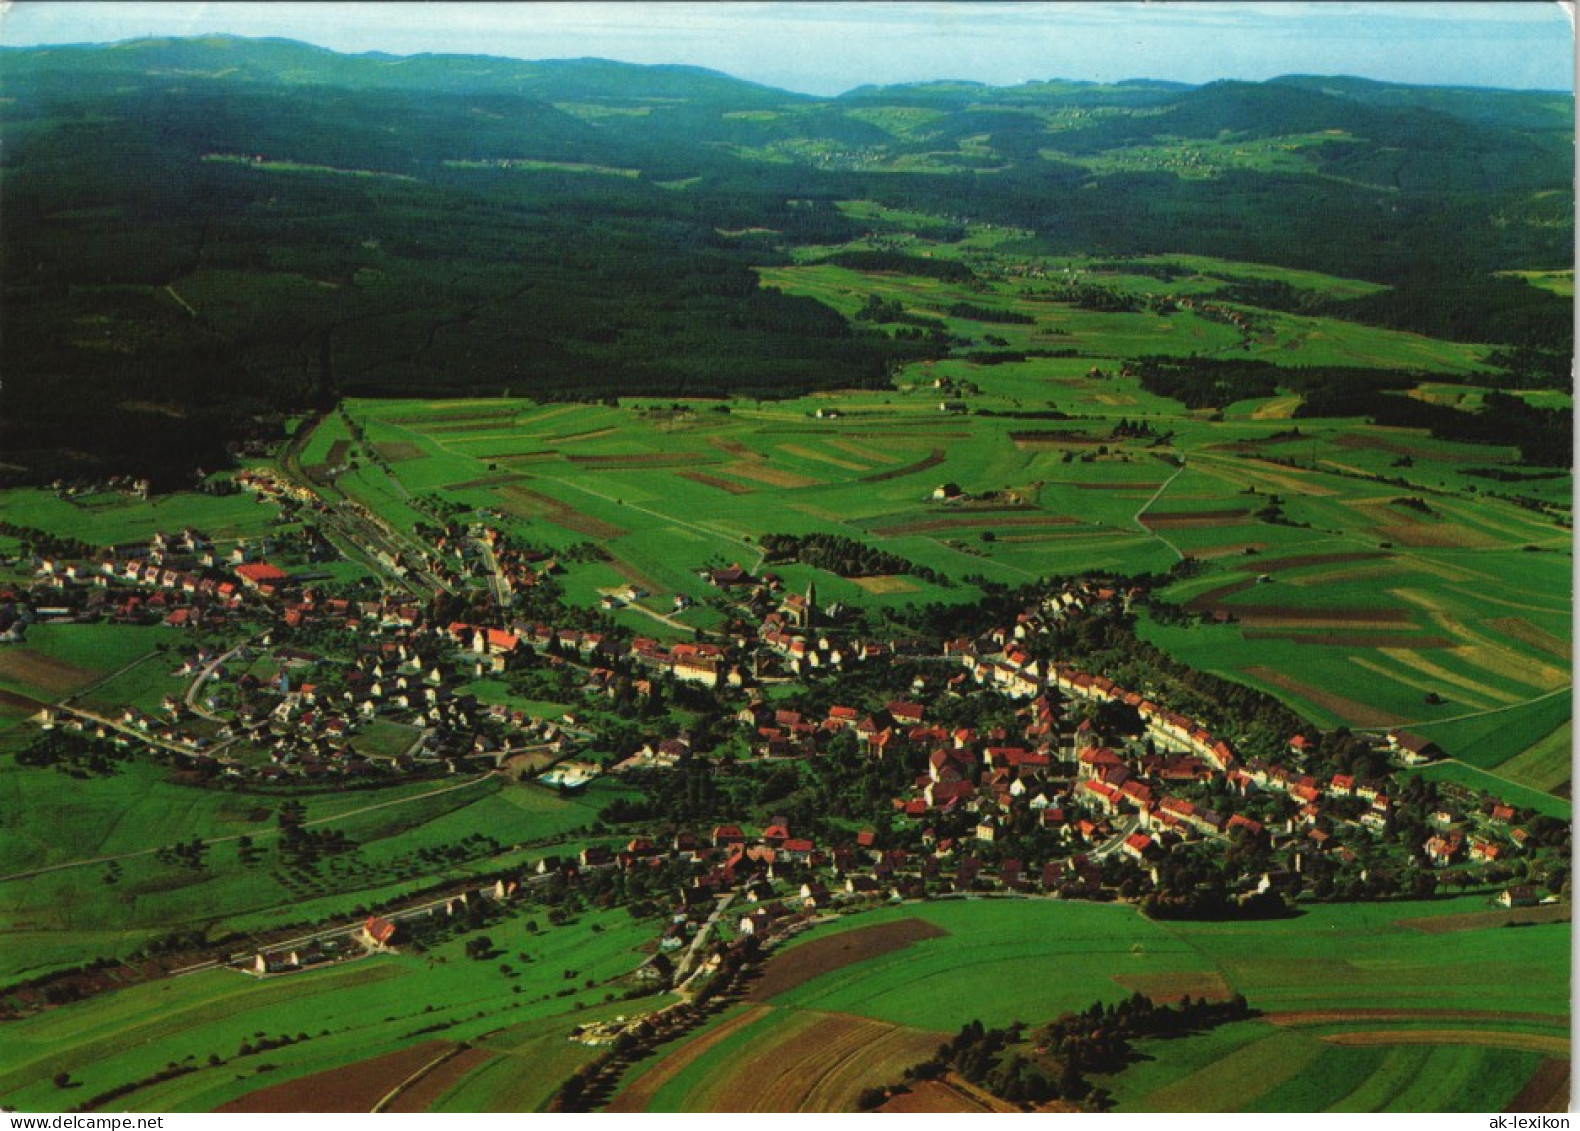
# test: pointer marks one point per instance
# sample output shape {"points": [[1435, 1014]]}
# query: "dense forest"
{"points": [[839, 555], [203, 234]]}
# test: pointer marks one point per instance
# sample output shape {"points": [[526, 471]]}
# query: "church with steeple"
{"points": [[801, 610]]}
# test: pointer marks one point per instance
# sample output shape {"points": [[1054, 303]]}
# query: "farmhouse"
{"points": [[377, 933], [1520, 895], [1412, 749]]}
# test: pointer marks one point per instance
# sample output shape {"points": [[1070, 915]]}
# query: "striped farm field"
{"points": [[1524, 631], [1246, 1073], [1547, 764], [1362, 563], [1546, 1043], [781, 1060]]}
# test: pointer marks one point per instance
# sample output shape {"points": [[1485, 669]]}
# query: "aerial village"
{"points": [[1079, 788]]}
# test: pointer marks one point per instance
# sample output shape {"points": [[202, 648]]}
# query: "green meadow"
{"points": [[135, 811], [116, 518], [539, 985], [1336, 973]]}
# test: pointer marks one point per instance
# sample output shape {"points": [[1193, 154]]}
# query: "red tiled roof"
{"points": [[259, 572], [379, 930], [502, 640]]}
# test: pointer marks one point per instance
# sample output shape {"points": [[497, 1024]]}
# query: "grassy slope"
{"points": [[136, 810], [368, 1007], [1028, 960]]}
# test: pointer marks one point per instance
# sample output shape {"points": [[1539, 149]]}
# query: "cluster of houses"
{"points": [[180, 578], [1055, 771], [1145, 778], [517, 567], [268, 484], [1139, 797], [376, 934], [133, 486]]}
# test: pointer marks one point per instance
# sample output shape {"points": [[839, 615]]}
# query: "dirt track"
{"points": [[426, 1091]]}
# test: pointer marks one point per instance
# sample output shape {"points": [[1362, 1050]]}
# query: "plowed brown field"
{"points": [[791, 968], [1480, 920], [1527, 633], [1190, 520], [426, 1091], [349, 1088], [530, 504], [706, 480], [1296, 1018], [934, 1097], [1546, 1091], [1352, 639], [45, 673], [931, 459], [1481, 1038]]}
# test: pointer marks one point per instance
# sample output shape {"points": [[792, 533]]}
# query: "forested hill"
{"points": [[199, 233]]}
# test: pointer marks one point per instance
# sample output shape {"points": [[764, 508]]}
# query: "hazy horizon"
{"points": [[828, 48]]}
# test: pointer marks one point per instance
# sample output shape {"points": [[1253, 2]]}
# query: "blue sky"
{"points": [[825, 48]]}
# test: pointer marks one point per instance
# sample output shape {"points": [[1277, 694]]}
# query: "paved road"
{"points": [[685, 971], [1109, 847], [498, 587], [202, 678]]}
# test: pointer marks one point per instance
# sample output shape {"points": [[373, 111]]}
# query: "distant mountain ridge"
{"points": [[312, 224], [291, 61]]}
